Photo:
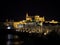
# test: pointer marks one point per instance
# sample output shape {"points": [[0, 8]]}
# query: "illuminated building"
{"points": [[31, 24], [19, 24], [28, 17], [38, 18], [53, 21]]}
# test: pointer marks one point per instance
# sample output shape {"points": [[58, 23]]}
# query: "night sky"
{"points": [[17, 9]]}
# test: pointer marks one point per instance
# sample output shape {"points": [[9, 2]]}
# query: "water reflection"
{"points": [[25, 38], [9, 42], [10, 36], [13, 39]]}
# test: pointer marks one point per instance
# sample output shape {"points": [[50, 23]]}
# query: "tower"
{"points": [[28, 18], [26, 15], [7, 20]]}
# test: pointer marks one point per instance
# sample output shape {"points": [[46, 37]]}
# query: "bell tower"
{"points": [[26, 15]]}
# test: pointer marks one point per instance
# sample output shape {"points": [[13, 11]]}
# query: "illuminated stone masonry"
{"points": [[32, 24]]}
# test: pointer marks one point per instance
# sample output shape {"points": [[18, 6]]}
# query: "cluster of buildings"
{"points": [[32, 24], [32, 20]]}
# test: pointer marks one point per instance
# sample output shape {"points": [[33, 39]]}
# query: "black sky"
{"points": [[17, 9]]}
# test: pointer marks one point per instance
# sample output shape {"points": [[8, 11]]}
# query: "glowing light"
{"points": [[17, 30], [20, 26], [8, 27], [53, 21], [45, 33], [30, 32], [41, 24]]}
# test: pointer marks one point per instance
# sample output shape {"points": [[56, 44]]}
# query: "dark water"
{"points": [[30, 39]]}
